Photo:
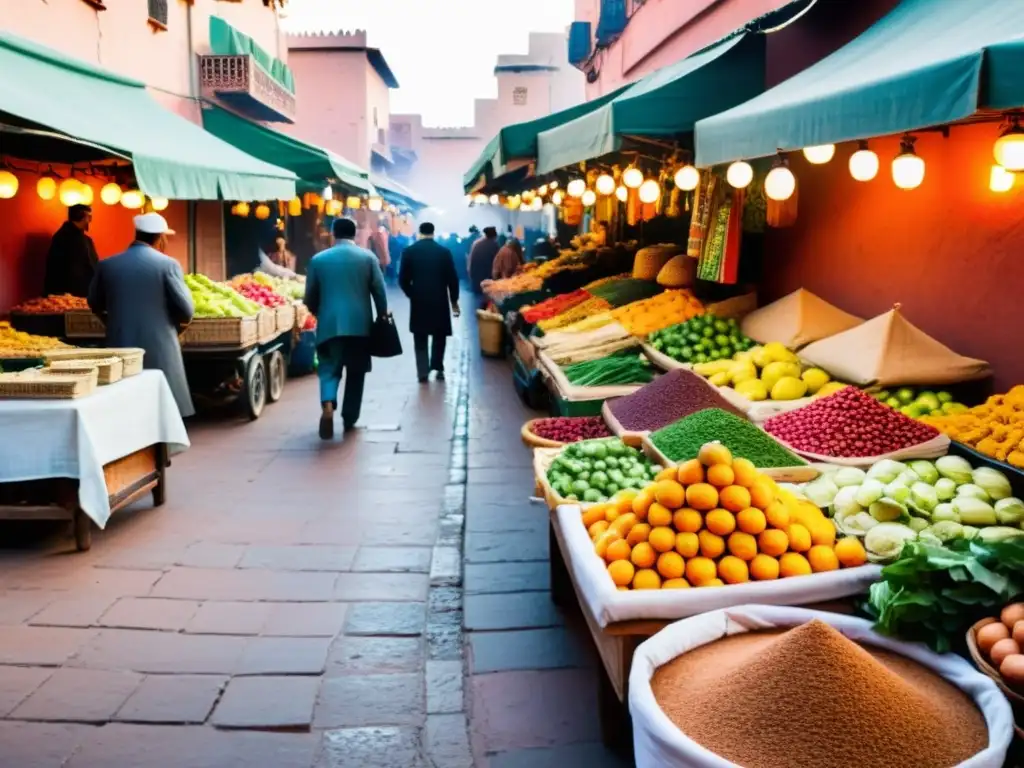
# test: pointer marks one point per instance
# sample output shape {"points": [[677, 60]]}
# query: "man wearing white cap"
{"points": [[143, 300]]}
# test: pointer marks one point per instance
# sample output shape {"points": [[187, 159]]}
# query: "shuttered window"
{"points": [[158, 12]]}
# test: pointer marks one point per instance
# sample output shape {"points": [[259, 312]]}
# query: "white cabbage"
{"points": [[821, 491], [925, 470], [995, 483], [1010, 511], [845, 502], [849, 476], [945, 488], [974, 491], [885, 541], [956, 468], [886, 470], [869, 492], [923, 496]]}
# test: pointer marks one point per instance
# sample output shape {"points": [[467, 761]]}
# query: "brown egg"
{"points": [[1018, 632], [1011, 614], [1012, 670], [1005, 647], [991, 634]]}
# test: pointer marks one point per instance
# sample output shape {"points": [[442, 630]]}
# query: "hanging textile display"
{"points": [[700, 214]]}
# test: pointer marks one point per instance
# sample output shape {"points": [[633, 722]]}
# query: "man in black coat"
{"points": [[71, 261], [427, 276]]}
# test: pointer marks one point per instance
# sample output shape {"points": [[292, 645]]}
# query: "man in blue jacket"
{"points": [[341, 284]]}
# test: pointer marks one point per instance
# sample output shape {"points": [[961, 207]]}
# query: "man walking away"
{"points": [[429, 279], [142, 298], [481, 258], [71, 261], [341, 284]]}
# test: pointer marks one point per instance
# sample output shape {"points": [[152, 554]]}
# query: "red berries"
{"points": [[571, 429]]}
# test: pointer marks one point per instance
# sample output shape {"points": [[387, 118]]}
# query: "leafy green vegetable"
{"points": [[933, 593]]}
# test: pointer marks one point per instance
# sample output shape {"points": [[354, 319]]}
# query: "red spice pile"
{"points": [[554, 306]]}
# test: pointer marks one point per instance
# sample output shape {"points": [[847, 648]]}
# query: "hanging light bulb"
{"points": [[334, 207], [650, 191], [537, 204], [133, 199], [576, 188], [553, 184], [863, 163], [159, 203], [907, 167], [242, 209], [605, 184], [375, 204], [262, 211], [110, 194], [480, 199], [556, 197], [295, 206], [739, 174], [87, 195], [69, 192], [46, 188], [542, 189], [780, 183], [1009, 147], [494, 200], [8, 185], [1000, 179], [622, 194], [589, 198], [820, 154], [687, 178], [633, 177]]}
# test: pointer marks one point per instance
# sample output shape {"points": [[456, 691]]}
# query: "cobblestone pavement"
{"points": [[294, 604]]}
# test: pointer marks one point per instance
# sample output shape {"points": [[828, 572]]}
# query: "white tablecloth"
{"points": [[41, 439]]}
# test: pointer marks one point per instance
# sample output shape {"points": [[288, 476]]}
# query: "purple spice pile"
{"points": [[665, 400]]}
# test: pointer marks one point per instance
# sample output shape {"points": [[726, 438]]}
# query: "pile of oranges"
{"points": [[52, 305], [712, 521]]}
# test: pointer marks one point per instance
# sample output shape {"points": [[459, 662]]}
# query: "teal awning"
{"points": [[225, 40], [173, 158], [315, 166], [395, 193], [927, 63], [664, 104], [519, 141]]}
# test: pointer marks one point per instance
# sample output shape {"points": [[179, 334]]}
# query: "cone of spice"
{"points": [[811, 698], [668, 398]]}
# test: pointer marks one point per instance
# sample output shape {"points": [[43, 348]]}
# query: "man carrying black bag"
{"points": [[429, 279]]}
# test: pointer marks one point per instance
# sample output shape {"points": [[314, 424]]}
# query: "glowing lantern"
{"points": [[556, 197], [132, 199], [687, 178], [553, 185], [159, 203], [494, 200], [605, 184], [87, 195], [46, 188], [537, 204], [821, 154], [633, 177], [8, 185], [69, 192], [576, 188], [739, 174], [262, 211], [589, 198], [242, 209], [863, 163], [1000, 179], [622, 194], [295, 207], [780, 183], [1009, 147], [110, 194], [333, 207], [353, 202], [480, 199], [649, 192], [375, 204], [907, 167]]}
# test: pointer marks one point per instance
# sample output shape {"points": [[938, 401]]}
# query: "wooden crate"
{"points": [[221, 332], [285, 317], [83, 325], [266, 325]]}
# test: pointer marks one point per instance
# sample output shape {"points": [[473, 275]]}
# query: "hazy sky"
{"points": [[441, 51]]}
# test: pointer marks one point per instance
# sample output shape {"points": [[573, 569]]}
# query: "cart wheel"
{"points": [[255, 387], [83, 531], [276, 372]]}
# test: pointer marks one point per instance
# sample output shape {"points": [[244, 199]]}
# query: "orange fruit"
{"points": [[720, 521], [622, 589], [720, 475], [799, 538], [751, 520], [702, 496], [761, 494], [669, 494], [714, 453], [764, 568], [822, 558], [793, 564], [621, 572], [624, 500], [823, 532], [687, 544], [623, 524], [713, 583], [646, 579], [659, 515], [662, 539], [641, 502], [711, 545], [745, 472], [594, 515], [638, 533], [690, 472], [687, 520], [598, 528], [618, 550], [732, 570], [735, 498], [606, 538], [743, 545], [612, 514], [675, 584], [850, 552], [671, 565], [700, 570], [773, 542], [777, 515], [669, 473], [643, 555]]}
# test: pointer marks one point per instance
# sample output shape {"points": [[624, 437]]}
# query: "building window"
{"points": [[158, 13], [519, 96], [375, 119]]}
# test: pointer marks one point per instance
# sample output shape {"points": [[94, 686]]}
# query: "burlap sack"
{"points": [[796, 320]]}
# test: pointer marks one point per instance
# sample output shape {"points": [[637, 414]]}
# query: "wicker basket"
{"points": [[41, 385], [285, 317], [109, 369], [131, 357], [83, 325], [532, 440], [492, 333], [221, 332], [266, 325]]}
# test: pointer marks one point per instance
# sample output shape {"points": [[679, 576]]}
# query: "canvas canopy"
{"points": [[797, 320], [890, 351]]}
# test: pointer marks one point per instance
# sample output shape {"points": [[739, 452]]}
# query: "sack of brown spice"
{"points": [[778, 687]]}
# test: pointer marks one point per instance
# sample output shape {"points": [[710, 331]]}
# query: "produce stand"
{"points": [[122, 436]]}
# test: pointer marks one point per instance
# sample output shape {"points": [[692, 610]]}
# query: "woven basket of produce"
{"points": [[533, 440], [558, 432], [990, 648], [491, 331], [234, 332], [561, 472]]}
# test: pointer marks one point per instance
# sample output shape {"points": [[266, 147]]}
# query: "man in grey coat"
{"points": [[142, 298], [341, 284]]}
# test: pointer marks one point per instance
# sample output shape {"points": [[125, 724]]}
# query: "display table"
{"points": [[84, 459]]}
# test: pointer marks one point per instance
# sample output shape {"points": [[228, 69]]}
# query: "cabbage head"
{"points": [[945, 511], [1010, 511], [898, 491], [994, 482], [857, 524], [945, 488], [886, 470], [869, 492], [946, 530], [923, 496], [925, 470], [974, 511], [956, 468], [821, 491], [849, 476], [888, 511], [974, 491], [908, 477], [917, 524], [845, 502], [885, 541]]}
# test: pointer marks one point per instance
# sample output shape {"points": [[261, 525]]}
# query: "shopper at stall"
{"points": [[508, 260], [142, 298], [341, 284], [481, 258], [280, 255], [429, 279], [71, 261]]}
